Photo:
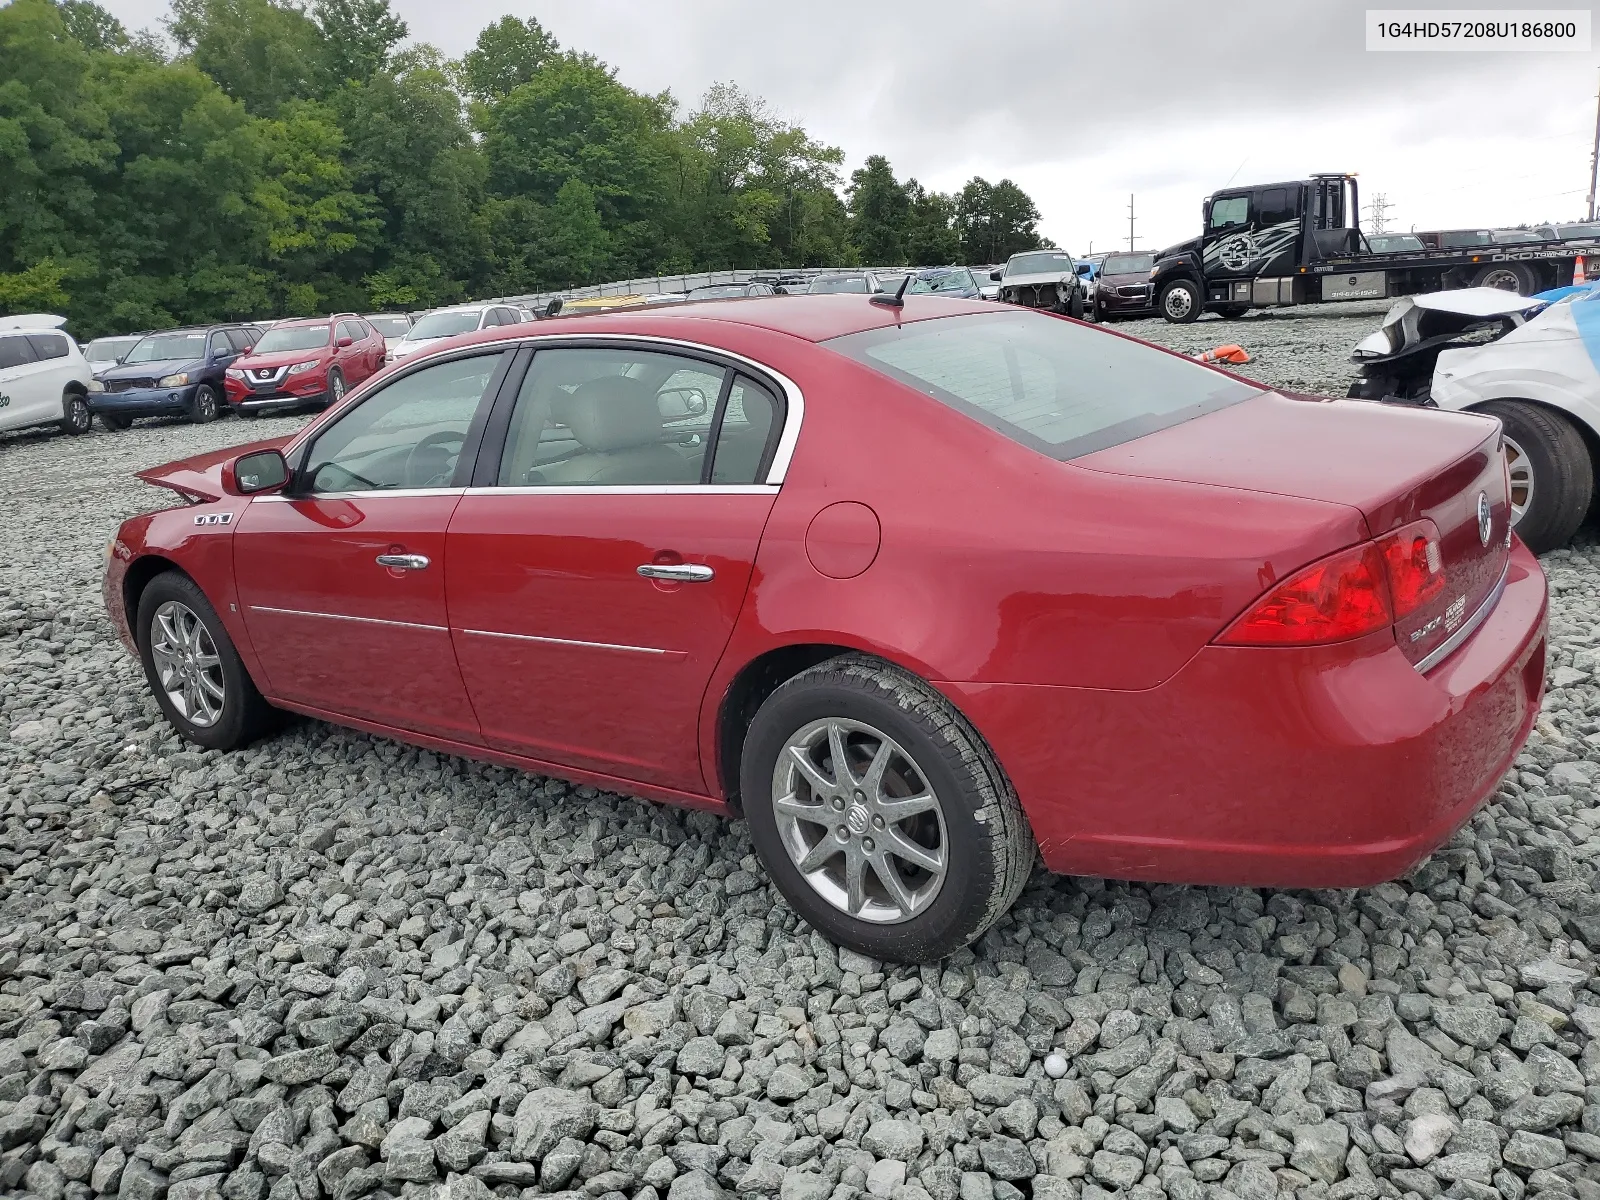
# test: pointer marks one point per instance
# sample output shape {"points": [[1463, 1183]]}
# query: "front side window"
{"points": [[15, 352], [407, 435], [1060, 388], [611, 417], [1230, 210], [219, 343], [48, 345]]}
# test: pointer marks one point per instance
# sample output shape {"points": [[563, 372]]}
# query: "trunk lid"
{"points": [[1396, 465], [199, 477]]}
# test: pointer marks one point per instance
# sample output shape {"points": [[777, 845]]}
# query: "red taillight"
{"points": [[1416, 569], [1341, 597]]}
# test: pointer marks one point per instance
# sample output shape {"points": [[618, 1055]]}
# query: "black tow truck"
{"points": [[1301, 243]]}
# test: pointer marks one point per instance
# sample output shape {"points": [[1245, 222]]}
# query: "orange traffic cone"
{"points": [[1236, 355], [1580, 270]]}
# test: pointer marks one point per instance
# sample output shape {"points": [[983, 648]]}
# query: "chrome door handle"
{"points": [[678, 572], [404, 562]]}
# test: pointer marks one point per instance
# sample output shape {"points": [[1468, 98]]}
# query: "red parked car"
{"points": [[300, 363], [916, 590]]}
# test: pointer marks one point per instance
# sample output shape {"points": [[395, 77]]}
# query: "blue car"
{"points": [[176, 372]]}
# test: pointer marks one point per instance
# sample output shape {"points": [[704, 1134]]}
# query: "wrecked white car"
{"points": [[1042, 279], [1532, 361]]}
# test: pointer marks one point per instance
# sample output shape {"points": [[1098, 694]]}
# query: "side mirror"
{"points": [[553, 308], [259, 471], [678, 403], [249, 348], [346, 341], [996, 274]]}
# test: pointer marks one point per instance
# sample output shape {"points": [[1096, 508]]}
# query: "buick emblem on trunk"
{"points": [[1485, 518]]}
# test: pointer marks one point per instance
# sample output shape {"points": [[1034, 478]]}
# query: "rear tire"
{"points": [[1180, 302], [76, 419], [1508, 277], [115, 422], [174, 602], [1233, 312], [972, 827], [1560, 481], [203, 405]]}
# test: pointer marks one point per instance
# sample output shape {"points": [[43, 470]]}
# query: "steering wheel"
{"points": [[430, 464]]}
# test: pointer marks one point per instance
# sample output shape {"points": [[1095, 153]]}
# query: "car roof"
{"points": [[814, 317]]}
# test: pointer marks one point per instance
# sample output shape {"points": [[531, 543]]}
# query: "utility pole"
{"points": [[1130, 221], [1594, 158], [1380, 213]]}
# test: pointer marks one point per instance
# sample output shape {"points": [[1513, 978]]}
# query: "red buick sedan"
{"points": [[918, 591]]}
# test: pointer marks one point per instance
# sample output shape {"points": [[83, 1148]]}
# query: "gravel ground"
{"points": [[333, 966]]}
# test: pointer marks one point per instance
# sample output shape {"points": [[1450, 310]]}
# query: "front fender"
{"points": [[1457, 388]]}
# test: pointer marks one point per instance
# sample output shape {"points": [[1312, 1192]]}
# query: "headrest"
{"points": [[613, 412]]}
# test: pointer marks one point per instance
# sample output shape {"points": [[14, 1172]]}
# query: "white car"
{"points": [[393, 326], [106, 352], [1531, 361], [44, 378], [1047, 279], [443, 323]]}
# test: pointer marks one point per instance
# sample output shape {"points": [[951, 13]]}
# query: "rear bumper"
{"points": [[143, 402], [1339, 766]]}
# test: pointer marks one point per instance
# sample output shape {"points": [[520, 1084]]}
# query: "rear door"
{"points": [[26, 397], [342, 580], [57, 364], [597, 566]]}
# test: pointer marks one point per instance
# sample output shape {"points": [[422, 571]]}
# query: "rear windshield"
{"points": [[282, 338], [840, 283], [1061, 388], [390, 326], [442, 324]]}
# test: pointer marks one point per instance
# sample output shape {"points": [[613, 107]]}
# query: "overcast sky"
{"points": [[1082, 103]]}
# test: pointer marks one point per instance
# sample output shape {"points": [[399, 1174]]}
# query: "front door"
{"points": [[594, 582], [342, 580]]}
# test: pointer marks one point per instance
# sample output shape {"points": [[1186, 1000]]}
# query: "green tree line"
{"points": [[268, 159]]}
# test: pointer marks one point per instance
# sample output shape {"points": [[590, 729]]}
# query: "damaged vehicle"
{"points": [[1045, 279], [1531, 361]]}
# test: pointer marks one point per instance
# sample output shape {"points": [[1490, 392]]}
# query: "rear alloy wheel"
{"points": [[880, 813], [1552, 476], [75, 416], [193, 669], [1180, 302], [115, 422], [203, 405]]}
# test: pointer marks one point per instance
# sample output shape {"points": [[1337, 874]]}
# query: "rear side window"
{"points": [[48, 345], [1275, 207], [15, 352], [1057, 387]]}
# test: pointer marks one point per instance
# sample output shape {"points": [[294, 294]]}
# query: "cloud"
{"points": [[1084, 103]]}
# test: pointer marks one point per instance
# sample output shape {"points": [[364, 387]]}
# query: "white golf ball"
{"points": [[1055, 1065]]}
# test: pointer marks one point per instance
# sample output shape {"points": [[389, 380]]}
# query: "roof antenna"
{"points": [[898, 300]]}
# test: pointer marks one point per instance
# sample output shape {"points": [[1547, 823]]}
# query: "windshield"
{"points": [[108, 349], [443, 324], [891, 284], [1578, 231], [840, 283], [1388, 244], [721, 291], [281, 338], [959, 280], [1057, 387], [390, 326], [159, 347], [1032, 264], [1522, 235], [1128, 264], [1457, 238]]}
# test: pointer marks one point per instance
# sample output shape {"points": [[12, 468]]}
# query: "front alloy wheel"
{"points": [[859, 820], [187, 664], [76, 419]]}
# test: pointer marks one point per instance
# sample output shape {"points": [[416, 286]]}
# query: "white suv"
{"points": [[44, 378], [442, 323]]}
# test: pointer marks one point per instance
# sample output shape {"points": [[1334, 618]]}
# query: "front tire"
{"points": [[1075, 306], [336, 388], [193, 669], [115, 422], [203, 405], [1180, 302], [1552, 476], [76, 418], [908, 849]]}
